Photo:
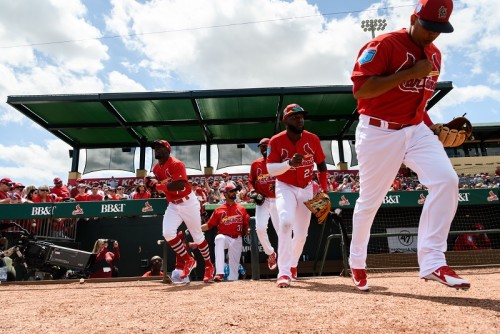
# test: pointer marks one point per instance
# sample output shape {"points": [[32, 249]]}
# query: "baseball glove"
{"points": [[454, 133], [258, 198], [320, 206]]}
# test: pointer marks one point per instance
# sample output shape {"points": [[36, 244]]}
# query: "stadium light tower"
{"points": [[373, 25]]}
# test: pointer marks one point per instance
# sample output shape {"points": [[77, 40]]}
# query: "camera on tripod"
{"points": [[45, 256]]}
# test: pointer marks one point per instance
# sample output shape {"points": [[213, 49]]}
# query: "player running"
{"points": [[291, 155], [394, 77], [262, 183], [183, 205]]}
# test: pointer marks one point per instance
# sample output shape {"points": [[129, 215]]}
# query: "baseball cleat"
{"points": [[189, 265], [283, 282], [271, 261], [359, 279], [293, 271], [209, 273], [218, 278], [445, 275]]}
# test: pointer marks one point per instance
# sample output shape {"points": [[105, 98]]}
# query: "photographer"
{"points": [[105, 262]]}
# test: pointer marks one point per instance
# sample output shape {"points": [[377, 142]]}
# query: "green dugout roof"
{"points": [[192, 117]]}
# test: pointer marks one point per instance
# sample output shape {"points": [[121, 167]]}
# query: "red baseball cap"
{"points": [[163, 143], [6, 180], [292, 109], [263, 141], [18, 185], [435, 14], [225, 174], [57, 180], [230, 185]]}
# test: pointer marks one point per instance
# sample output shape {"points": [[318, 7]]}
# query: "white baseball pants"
{"points": [[293, 217], [380, 154], [234, 247], [262, 214], [187, 212]]}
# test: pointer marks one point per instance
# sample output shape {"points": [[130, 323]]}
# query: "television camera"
{"points": [[42, 256]]}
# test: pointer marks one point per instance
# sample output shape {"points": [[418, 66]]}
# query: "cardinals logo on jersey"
{"points": [[228, 220], [427, 83], [264, 178], [421, 199]]}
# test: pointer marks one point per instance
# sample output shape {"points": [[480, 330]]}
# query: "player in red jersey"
{"points": [[183, 206], [393, 78], [291, 155], [261, 182], [231, 220]]}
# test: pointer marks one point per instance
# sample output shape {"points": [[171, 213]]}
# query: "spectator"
{"points": [[472, 241], [156, 263], [94, 195], [225, 178], [18, 188], [82, 195], [5, 185], [231, 220], [74, 190], [111, 195], [214, 196], [43, 195], [120, 193], [113, 183], [332, 184], [345, 186], [31, 191], [60, 190], [105, 262], [141, 192]]}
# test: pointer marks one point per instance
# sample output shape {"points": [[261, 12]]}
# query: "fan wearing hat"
{"points": [[5, 185], [183, 206], [60, 190], [232, 222], [291, 155], [393, 78], [261, 182]]}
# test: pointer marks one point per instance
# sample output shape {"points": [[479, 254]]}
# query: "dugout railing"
{"points": [[393, 238]]}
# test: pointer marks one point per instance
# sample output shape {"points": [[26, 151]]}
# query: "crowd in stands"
{"points": [[207, 192]]}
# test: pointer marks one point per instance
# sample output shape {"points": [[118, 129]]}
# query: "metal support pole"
{"points": [[254, 250]]}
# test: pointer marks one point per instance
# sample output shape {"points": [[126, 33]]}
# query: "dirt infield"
{"points": [[397, 303]]}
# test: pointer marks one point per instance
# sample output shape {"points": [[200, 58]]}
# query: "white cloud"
{"points": [[36, 163], [118, 82]]}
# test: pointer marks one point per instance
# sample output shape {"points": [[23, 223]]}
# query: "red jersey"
{"points": [[82, 198], [61, 191], [94, 198], [388, 54], [260, 180], [143, 195], [281, 149], [172, 170], [230, 219], [39, 199]]}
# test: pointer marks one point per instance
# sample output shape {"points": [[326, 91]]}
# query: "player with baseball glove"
{"points": [[453, 133]]}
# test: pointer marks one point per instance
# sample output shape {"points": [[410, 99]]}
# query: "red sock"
{"points": [[203, 247]]}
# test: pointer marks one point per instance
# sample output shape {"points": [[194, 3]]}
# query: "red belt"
{"points": [[387, 125], [180, 200]]}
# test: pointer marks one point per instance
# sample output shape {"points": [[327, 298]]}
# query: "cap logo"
{"points": [[419, 8], [443, 12]]}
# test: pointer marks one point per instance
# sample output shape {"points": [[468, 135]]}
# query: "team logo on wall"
{"points": [[344, 201], [78, 210], [492, 197], [147, 207], [421, 199]]}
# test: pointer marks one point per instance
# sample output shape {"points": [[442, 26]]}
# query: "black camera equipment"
{"points": [[45, 256]]}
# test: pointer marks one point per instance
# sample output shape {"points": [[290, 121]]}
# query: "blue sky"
{"points": [[129, 45]]}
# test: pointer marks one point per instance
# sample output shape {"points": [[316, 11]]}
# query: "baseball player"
{"points": [[393, 78], [261, 182], [183, 205], [291, 155], [231, 219]]}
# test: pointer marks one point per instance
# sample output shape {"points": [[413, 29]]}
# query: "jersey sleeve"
{"points": [[214, 219], [370, 62], [179, 171]]}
